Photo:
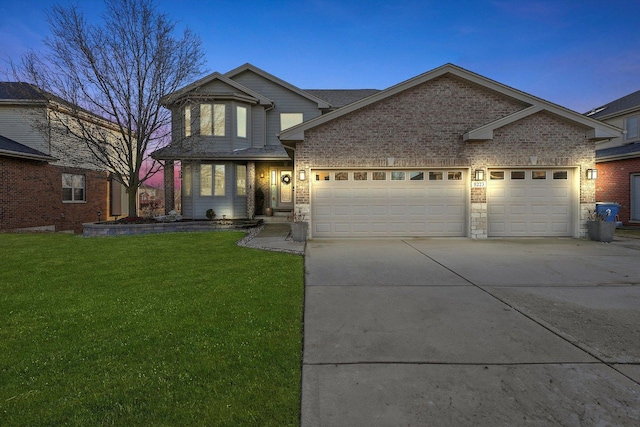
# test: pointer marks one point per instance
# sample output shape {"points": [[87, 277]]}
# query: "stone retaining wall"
{"points": [[100, 230]]}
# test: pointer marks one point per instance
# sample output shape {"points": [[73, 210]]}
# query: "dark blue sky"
{"points": [[579, 54]]}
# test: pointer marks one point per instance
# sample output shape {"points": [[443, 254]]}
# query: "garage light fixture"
{"points": [[302, 175], [592, 173], [478, 175]]}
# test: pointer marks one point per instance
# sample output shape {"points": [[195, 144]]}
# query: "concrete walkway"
{"points": [[275, 237], [458, 332]]}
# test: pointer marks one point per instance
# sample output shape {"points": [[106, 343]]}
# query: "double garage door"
{"points": [[434, 203], [357, 203]]}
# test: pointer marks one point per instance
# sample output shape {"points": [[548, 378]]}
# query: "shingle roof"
{"points": [[21, 91], [621, 104], [341, 97], [9, 147], [623, 151], [270, 152]]}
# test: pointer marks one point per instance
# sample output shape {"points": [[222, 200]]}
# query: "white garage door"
{"points": [[363, 203], [533, 202]]}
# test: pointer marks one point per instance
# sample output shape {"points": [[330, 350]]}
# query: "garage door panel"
{"points": [[389, 208], [342, 211], [530, 207]]}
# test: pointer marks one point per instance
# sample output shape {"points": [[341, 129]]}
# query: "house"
{"points": [[46, 180], [618, 159], [150, 200], [446, 153]]}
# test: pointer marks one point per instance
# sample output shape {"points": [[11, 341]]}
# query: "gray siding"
{"points": [[21, 125], [286, 102]]}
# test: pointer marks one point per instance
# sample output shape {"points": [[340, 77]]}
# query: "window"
{"points": [[241, 122], [397, 176], [212, 125], [379, 176], [342, 176], [241, 180], [631, 128], [538, 174], [288, 120], [186, 179], [219, 116], [205, 119], [496, 175], [517, 174], [360, 176], [73, 188], [454, 176], [416, 176], [322, 176], [560, 174], [205, 180], [187, 120], [435, 176], [218, 188]]}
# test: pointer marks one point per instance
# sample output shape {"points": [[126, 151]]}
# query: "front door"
{"points": [[282, 189]]}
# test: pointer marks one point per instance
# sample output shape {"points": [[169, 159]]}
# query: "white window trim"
{"points": [[73, 188]]}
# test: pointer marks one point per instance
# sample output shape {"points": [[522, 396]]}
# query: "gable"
{"points": [[595, 129]]}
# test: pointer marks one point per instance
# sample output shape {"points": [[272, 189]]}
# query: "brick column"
{"points": [[169, 190]]}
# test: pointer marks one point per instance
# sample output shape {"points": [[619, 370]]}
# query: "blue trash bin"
{"points": [[608, 210]]}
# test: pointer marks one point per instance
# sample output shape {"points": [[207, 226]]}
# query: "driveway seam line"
{"points": [[518, 310]]}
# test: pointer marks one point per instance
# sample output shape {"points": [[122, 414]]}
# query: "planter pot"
{"points": [[268, 211], [601, 231], [299, 231]]}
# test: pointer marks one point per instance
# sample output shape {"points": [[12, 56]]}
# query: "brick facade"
{"points": [[423, 126], [31, 196], [614, 184]]}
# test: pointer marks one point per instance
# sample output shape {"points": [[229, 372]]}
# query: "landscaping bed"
{"points": [[125, 226]]}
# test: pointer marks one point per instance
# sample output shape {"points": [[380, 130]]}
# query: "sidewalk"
{"points": [[274, 237]]}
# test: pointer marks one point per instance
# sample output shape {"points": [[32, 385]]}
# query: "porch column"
{"points": [[169, 190], [251, 186]]}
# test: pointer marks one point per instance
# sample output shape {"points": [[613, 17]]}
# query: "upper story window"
{"points": [[288, 120], [212, 119], [187, 120], [631, 128], [73, 188], [241, 122]]}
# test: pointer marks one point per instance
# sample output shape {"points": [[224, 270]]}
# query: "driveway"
{"points": [[444, 332]]}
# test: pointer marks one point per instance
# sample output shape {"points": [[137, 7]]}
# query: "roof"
{"points": [[617, 153], [597, 129], [11, 148], [192, 89], [341, 97], [270, 152], [618, 106], [20, 91], [322, 104]]}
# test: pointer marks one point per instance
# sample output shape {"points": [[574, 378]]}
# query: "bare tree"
{"points": [[112, 77]]}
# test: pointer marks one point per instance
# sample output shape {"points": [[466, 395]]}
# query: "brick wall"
{"points": [[614, 184], [31, 196], [423, 127]]}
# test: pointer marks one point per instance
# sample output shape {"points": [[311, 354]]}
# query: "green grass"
{"points": [[173, 329]]}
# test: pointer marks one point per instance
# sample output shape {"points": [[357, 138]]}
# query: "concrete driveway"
{"points": [[455, 332]]}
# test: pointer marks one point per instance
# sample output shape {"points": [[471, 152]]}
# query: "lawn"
{"points": [[169, 329]]}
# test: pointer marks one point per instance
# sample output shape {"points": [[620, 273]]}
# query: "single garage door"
{"points": [[530, 202], [363, 203]]}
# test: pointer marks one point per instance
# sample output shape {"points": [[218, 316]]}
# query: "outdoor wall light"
{"points": [[592, 173], [261, 174], [302, 175], [478, 175]]}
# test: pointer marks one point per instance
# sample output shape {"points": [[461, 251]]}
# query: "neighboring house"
{"points": [[150, 200], [618, 160], [46, 181], [446, 153]]}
